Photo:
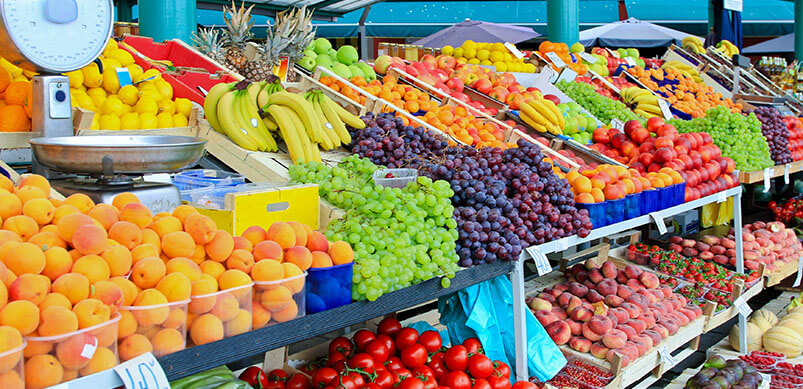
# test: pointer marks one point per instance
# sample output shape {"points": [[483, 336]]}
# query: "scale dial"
{"points": [[54, 36]]}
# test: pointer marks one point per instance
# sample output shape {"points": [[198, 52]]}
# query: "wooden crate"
{"points": [[82, 119], [307, 83], [17, 140], [775, 278], [775, 171]]}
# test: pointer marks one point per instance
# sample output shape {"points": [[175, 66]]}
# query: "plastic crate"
{"points": [[279, 301], [215, 197], [632, 205], [12, 363], [189, 181], [229, 310], [596, 212], [400, 179], [649, 201], [614, 211], [329, 287], [164, 325], [679, 193]]}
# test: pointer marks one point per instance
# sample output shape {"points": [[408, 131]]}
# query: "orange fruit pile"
{"points": [[613, 182], [15, 104], [562, 51], [687, 95]]}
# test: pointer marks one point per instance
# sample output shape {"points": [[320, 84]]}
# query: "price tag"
{"points": [[765, 381], [659, 222], [142, 372], [666, 356], [513, 50], [799, 272], [665, 109], [630, 62], [124, 77], [786, 174], [767, 176], [541, 263], [563, 244], [551, 74], [613, 53], [588, 58], [567, 74], [617, 124], [555, 60], [721, 197], [742, 306]]}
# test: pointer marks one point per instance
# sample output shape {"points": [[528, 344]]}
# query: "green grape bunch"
{"points": [[603, 108]]}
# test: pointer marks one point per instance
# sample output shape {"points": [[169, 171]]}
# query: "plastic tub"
{"points": [[214, 316], [164, 326], [80, 353], [649, 201], [614, 211], [12, 367], [329, 287], [632, 205], [679, 193], [596, 212], [215, 197], [189, 181], [279, 301], [400, 179]]}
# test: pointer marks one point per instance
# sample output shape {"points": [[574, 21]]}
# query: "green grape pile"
{"points": [[738, 136], [601, 107], [400, 236]]}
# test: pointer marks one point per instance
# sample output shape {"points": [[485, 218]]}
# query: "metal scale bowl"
{"points": [[56, 36]]}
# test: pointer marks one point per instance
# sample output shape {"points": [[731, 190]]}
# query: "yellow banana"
{"points": [[347, 117], [229, 124], [556, 112], [290, 134], [329, 111], [210, 104], [530, 122], [303, 109], [309, 147], [272, 126], [330, 139], [257, 128], [528, 110], [242, 117], [649, 107], [253, 90], [646, 98], [645, 114], [262, 97], [544, 111]]}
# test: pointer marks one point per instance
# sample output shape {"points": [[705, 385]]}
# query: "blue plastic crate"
{"points": [[329, 287], [614, 211], [215, 197], [632, 205], [596, 212], [190, 180], [649, 201]]}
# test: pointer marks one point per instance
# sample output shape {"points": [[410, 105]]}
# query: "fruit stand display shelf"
{"points": [[775, 171], [256, 343]]}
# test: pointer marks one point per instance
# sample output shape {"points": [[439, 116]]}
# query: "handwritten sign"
{"points": [[799, 272], [617, 124], [513, 50], [786, 174], [555, 60], [767, 176], [567, 74], [664, 106], [666, 356], [588, 58], [541, 262], [742, 306], [142, 372]]}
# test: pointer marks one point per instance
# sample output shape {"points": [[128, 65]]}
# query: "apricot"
{"points": [[317, 242], [6, 184], [11, 380], [74, 286], [80, 201], [241, 243], [292, 275], [184, 266], [299, 256], [260, 316], [40, 210], [3, 295], [136, 213], [89, 239], [119, 260], [55, 300], [127, 324], [300, 232], [8, 236], [93, 267], [176, 318], [233, 278], [25, 258], [321, 259], [105, 214], [166, 341], [200, 227], [29, 193], [10, 205], [75, 352], [22, 225], [283, 234], [241, 260], [175, 286], [203, 288], [276, 299], [145, 250], [10, 338], [182, 211], [226, 307], [152, 315], [57, 320], [268, 249], [178, 244], [254, 234], [241, 323], [37, 347], [103, 359], [91, 312], [220, 247], [267, 270], [42, 371], [205, 329], [212, 268], [110, 294], [5, 248], [127, 234], [69, 223], [69, 375], [133, 346], [62, 211], [123, 199], [165, 225], [341, 252], [129, 289], [147, 272], [288, 313], [47, 240], [31, 287]]}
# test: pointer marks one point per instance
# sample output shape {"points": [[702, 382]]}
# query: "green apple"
{"points": [[633, 53], [324, 60], [322, 45], [356, 71], [581, 122], [573, 106], [332, 53], [370, 75], [341, 70], [310, 53], [622, 53], [307, 63], [347, 55], [640, 62], [577, 48], [571, 126]]}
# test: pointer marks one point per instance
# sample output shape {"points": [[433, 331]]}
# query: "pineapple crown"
{"points": [[238, 23], [207, 40], [290, 34]]}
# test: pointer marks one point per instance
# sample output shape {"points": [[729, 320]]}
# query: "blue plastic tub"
{"points": [[328, 287], [614, 211], [633, 205], [649, 201], [215, 197], [679, 193], [596, 212], [190, 180]]}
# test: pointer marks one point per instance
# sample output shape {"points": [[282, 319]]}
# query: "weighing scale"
{"points": [[56, 36]]}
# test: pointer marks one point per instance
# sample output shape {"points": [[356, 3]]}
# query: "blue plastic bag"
{"points": [[485, 311], [422, 326]]}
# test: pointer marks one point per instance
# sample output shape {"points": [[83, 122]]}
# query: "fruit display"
{"points": [[599, 106], [733, 373], [345, 61], [305, 123], [601, 88], [642, 101], [219, 377], [566, 54], [727, 48], [795, 140], [738, 136], [693, 44], [542, 115], [15, 104], [489, 54], [776, 132], [578, 374], [787, 212], [611, 182], [579, 125], [605, 310]]}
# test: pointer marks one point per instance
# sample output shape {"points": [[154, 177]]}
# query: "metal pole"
{"points": [[167, 19], [520, 321], [124, 11], [563, 21], [799, 30], [737, 235], [361, 33]]}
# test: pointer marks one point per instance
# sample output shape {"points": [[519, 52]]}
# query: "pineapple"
{"points": [[238, 32], [289, 36], [207, 41], [258, 69]]}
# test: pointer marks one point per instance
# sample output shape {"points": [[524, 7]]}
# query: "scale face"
{"points": [[54, 36]]}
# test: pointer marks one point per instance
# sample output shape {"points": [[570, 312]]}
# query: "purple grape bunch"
{"points": [[505, 200], [774, 129]]}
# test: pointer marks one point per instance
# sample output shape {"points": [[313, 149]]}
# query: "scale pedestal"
{"points": [[52, 115]]}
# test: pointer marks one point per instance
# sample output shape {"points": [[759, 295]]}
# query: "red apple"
{"points": [[551, 97], [654, 123], [446, 62], [483, 85]]}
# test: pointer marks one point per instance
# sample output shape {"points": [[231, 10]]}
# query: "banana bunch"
{"points": [[685, 69], [231, 110], [542, 115], [727, 49], [693, 44], [642, 101], [796, 302]]}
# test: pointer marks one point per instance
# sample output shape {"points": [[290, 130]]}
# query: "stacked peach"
{"points": [[606, 182], [347, 91], [686, 95], [562, 51]]}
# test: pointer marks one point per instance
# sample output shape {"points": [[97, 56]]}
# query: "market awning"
{"points": [[781, 44], [325, 9]]}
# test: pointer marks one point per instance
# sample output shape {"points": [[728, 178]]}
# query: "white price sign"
{"points": [[541, 263], [588, 58], [767, 176], [799, 272], [551, 74], [567, 74], [733, 5], [630, 61], [786, 174], [513, 50], [665, 109], [659, 222], [617, 124], [666, 356], [555, 60], [742, 306], [721, 197], [765, 381], [142, 372]]}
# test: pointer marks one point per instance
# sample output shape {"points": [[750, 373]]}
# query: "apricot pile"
{"points": [[613, 182], [683, 92]]}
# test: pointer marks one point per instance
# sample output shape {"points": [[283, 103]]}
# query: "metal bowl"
{"points": [[130, 154]]}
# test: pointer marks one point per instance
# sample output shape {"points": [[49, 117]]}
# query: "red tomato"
{"points": [[473, 345], [361, 360], [389, 326], [411, 383], [346, 383], [372, 385], [414, 356], [457, 358], [437, 365], [254, 376], [402, 374], [480, 366], [457, 380], [334, 358], [278, 375], [298, 381], [394, 363], [498, 382], [406, 337], [323, 377], [341, 344], [274, 385], [362, 338], [502, 369], [431, 340], [357, 378], [429, 382], [524, 385], [423, 371], [384, 379], [378, 350], [481, 383], [340, 366], [388, 341]]}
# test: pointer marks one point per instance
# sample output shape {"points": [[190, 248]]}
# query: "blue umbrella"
{"points": [[477, 31], [631, 33]]}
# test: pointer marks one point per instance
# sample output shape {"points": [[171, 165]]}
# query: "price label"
{"points": [[721, 197], [541, 263], [124, 77], [142, 372], [665, 109], [765, 381], [555, 60], [613, 53], [799, 272], [659, 222], [588, 58], [513, 50], [666, 356], [567, 74], [551, 74], [767, 176], [630, 61], [742, 306], [786, 174], [617, 124]]}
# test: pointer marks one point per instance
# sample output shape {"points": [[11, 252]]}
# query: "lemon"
{"points": [[76, 78], [134, 70], [486, 62], [109, 122], [497, 56], [129, 121], [84, 102], [164, 120], [165, 89], [447, 50], [92, 77], [508, 57], [112, 45], [184, 107], [469, 44], [501, 67], [81, 88], [110, 82], [146, 104], [150, 74], [470, 53], [96, 92], [474, 61], [498, 47], [529, 68], [458, 52], [148, 121], [146, 85], [483, 54], [127, 108], [128, 94], [123, 57], [113, 106], [150, 93], [98, 100], [180, 120], [111, 64], [167, 106]]}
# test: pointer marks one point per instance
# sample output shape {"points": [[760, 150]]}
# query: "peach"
{"points": [[144, 250], [22, 315], [89, 239], [544, 317], [580, 344], [240, 243], [576, 327], [233, 278], [200, 227], [29, 193], [286, 314], [560, 332], [185, 266], [614, 339], [282, 233], [75, 352], [205, 329], [632, 272], [624, 291], [110, 294], [589, 334], [74, 286], [316, 241], [574, 302], [594, 297], [646, 340], [178, 244], [128, 234], [226, 307], [268, 249], [40, 210], [241, 323], [136, 213], [559, 312], [260, 316], [220, 247], [69, 223], [241, 260], [183, 211], [57, 262], [609, 270], [166, 341], [127, 324], [93, 267], [128, 288], [254, 234], [147, 272], [35, 180], [37, 347], [10, 205], [628, 330], [103, 359], [42, 371], [300, 256], [11, 380], [595, 275], [10, 339], [57, 320], [653, 335], [25, 258], [151, 316], [632, 309], [133, 346], [212, 268], [199, 255], [105, 214], [80, 201], [291, 273], [175, 286], [62, 211], [91, 312], [278, 298], [300, 232], [600, 324], [55, 300], [649, 280], [7, 236], [607, 287], [321, 259], [166, 225], [31, 287], [119, 260], [598, 350], [341, 252], [637, 325]]}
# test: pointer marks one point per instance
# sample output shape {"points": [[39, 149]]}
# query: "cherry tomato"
{"points": [[412, 383], [406, 337], [524, 385], [498, 382], [335, 357], [481, 383], [429, 382], [298, 381], [457, 380], [431, 340], [378, 350], [323, 377], [274, 385], [361, 360], [437, 365], [254, 376], [473, 345], [394, 363], [278, 375], [389, 326], [423, 371], [341, 344], [346, 383], [384, 379], [457, 358], [480, 366], [402, 374], [362, 338], [502, 369], [357, 378], [414, 356], [340, 366], [372, 385], [388, 341]]}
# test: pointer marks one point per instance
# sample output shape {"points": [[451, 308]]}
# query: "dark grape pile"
{"points": [[776, 132], [504, 201]]}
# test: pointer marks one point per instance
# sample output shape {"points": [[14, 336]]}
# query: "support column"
{"points": [[563, 21], [167, 19], [799, 30], [711, 16], [362, 36], [124, 11]]}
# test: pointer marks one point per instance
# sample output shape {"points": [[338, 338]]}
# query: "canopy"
{"points": [[631, 33], [477, 31], [781, 44]]}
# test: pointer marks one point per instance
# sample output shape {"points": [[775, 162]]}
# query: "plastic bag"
{"points": [[485, 311], [422, 326], [717, 214]]}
